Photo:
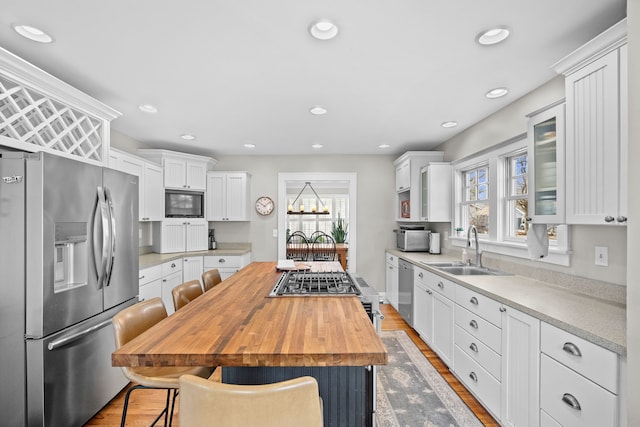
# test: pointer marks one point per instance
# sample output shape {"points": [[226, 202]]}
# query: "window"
{"points": [[517, 197], [475, 204], [492, 193]]}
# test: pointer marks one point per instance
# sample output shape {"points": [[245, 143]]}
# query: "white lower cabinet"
{"points": [[171, 277], [520, 369], [433, 312], [478, 381], [392, 280], [227, 265], [180, 235], [192, 268], [579, 380], [150, 283]]}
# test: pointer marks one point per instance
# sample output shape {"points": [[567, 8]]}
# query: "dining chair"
{"points": [[298, 247], [323, 248], [127, 325], [185, 293], [289, 403], [211, 278]]}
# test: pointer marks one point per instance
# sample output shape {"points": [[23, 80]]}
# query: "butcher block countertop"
{"points": [[238, 324]]}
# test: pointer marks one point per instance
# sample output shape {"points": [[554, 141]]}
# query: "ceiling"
{"points": [[247, 72]]}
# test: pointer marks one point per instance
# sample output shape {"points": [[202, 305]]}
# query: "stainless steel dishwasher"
{"points": [[405, 290]]}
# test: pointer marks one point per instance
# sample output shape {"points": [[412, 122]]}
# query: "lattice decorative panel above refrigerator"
{"points": [[30, 117]]}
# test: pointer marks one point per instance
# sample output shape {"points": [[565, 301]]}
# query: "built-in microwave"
{"points": [[183, 204]]}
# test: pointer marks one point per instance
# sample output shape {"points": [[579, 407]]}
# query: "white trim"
{"points": [[349, 177]]}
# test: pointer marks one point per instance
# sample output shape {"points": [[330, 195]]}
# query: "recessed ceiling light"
{"points": [[450, 124], [497, 92], [249, 145], [384, 146], [32, 33], [323, 30], [493, 35], [148, 108], [318, 110], [317, 146], [187, 137]]}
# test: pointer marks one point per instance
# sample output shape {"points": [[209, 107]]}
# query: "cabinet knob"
{"points": [[570, 400], [621, 219], [222, 260], [503, 309], [528, 219], [441, 285], [609, 218], [473, 324], [572, 349], [420, 275], [473, 376]]}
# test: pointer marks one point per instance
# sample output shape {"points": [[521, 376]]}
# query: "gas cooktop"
{"points": [[315, 284]]}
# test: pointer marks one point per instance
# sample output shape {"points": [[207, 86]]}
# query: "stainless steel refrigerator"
{"points": [[68, 263]]}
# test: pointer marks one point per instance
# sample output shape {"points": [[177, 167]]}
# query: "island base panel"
{"points": [[346, 391]]}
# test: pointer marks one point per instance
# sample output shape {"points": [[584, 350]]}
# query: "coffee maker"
{"points": [[212, 239]]}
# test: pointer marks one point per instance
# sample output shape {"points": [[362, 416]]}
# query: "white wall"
{"points": [[375, 220]]}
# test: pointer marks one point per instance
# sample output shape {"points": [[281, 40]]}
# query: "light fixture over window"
{"points": [[313, 210], [323, 30]]}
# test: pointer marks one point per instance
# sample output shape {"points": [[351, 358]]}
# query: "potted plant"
{"points": [[459, 231], [339, 230]]}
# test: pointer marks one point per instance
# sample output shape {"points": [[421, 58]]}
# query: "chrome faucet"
{"points": [[478, 251]]}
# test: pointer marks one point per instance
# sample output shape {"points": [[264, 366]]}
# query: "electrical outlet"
{"points": [[275, 232], [602, 256]]}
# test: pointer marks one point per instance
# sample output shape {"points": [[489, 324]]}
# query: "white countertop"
{"points": [[151, 259], [599, 321]]}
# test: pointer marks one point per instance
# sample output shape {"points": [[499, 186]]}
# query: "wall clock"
{"points": [[264, 205]]}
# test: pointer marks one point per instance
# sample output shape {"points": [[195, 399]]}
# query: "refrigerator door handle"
{"points": [[104, 219], [112, 238], [61, 342]]}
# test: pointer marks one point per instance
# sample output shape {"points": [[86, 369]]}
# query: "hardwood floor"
{"points": [[145, 405]]}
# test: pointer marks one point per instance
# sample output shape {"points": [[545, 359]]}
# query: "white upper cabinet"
{"points": [[546, 165], [596, 111], [181, 171], [436, 187], [228, 196], [408, 178], [150, 189]]}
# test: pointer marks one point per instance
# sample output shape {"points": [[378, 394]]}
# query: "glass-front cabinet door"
{"points": [[546, 165]]}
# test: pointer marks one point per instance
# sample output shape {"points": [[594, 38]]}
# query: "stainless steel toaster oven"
{"points": [[409, 240]]}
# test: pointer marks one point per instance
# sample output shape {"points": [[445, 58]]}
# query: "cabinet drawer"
{"points": [[478, 351], [572, 400], [149, 274], [171, 267], [215, 261], [594, 362], [479, 304], [478, 381], [391, 259], [547, 421], [479, 328], [441, 285]]}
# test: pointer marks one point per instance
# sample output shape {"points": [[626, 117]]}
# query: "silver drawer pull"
{"points": [[222, 260], [572, 349], [141, 277], [420, 275], [571, 401], [474, 300], [473, 376], [473, 347], [429, 292], [441, 285], [609, 218], [173, 265], [621, 219], [502, 309], [473, 324]]}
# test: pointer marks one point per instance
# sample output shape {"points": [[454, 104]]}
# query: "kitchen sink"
{"points": [[443, 264], [472, 270]]}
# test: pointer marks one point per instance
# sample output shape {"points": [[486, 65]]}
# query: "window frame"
{"points": [[497, 240]]}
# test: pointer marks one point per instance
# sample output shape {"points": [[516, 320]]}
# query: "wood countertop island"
{"points": [[238, 324]]}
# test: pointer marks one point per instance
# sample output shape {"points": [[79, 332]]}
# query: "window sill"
{"points": [[518, 250]]}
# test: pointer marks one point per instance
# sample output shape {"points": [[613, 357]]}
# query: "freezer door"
{"points": [[121, 279], [69, 374], [61, 274]]}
